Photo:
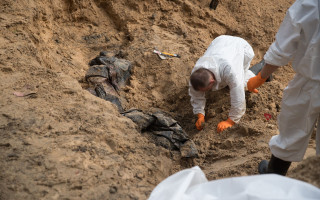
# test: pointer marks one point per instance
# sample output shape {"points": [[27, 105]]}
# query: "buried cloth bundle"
{"points": [[164, 131], [106, 75]]}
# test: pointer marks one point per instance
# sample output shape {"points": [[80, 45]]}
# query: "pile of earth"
{"points": [[58, 141]]}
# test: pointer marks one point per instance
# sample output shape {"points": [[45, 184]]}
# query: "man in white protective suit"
{"points": [[225, 63], [298, 39]]}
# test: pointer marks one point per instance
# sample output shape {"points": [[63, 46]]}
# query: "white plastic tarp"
{"points": [[192, 184]]}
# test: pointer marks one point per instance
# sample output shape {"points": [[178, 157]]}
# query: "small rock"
{"points": [[5, 145], [13, 155], [244, 131], [12, 187], [140, 175], [243, 174], [227, 144], [270, 126], [113, 189], [189, 149]]}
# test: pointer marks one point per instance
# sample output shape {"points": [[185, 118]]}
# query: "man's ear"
{"points": [[212, 78]]}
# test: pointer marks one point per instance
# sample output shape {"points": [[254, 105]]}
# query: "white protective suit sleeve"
{"points": [[298, 39], [237, 94], [238, 103], [198, 100], [285, 45]]}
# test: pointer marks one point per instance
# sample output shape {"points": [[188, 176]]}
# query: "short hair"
{"points": [[200, 78]]}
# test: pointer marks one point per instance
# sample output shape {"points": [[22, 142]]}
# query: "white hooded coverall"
{"points": [[299, 39], [228, 58]]}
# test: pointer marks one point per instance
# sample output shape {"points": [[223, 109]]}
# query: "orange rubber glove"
{"points": [[200, 122], [225, 124], [255, 82]]}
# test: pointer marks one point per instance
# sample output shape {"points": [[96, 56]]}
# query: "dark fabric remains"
{"points": [[106, 75], [142, 120], [100, 91], [162, 126]]}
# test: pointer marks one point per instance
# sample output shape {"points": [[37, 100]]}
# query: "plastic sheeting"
{"points": [[192, 184]]}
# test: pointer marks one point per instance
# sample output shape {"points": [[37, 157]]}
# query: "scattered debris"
{"points": [[5, 144], [24, 94], [214, 4], [27, 90], [267, 116], [165, 55], [96, 38]]}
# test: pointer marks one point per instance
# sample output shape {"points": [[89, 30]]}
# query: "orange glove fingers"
{"points": [[200, 122], [224, 125], [255, 82]]}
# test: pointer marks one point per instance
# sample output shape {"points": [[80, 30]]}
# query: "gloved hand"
{"points": [[225, 124], [200, 122], [255, 82]]}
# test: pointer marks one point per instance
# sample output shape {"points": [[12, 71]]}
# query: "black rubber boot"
{"points": [[274, 166], [258, 67]]}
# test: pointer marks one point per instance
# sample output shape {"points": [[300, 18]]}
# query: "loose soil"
{"points": [[58, 141]]}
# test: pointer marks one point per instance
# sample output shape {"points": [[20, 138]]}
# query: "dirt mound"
{"points": [[308, 171], [60, 141]]}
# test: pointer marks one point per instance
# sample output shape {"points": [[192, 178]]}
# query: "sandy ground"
{"points": [[61, 142]]}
